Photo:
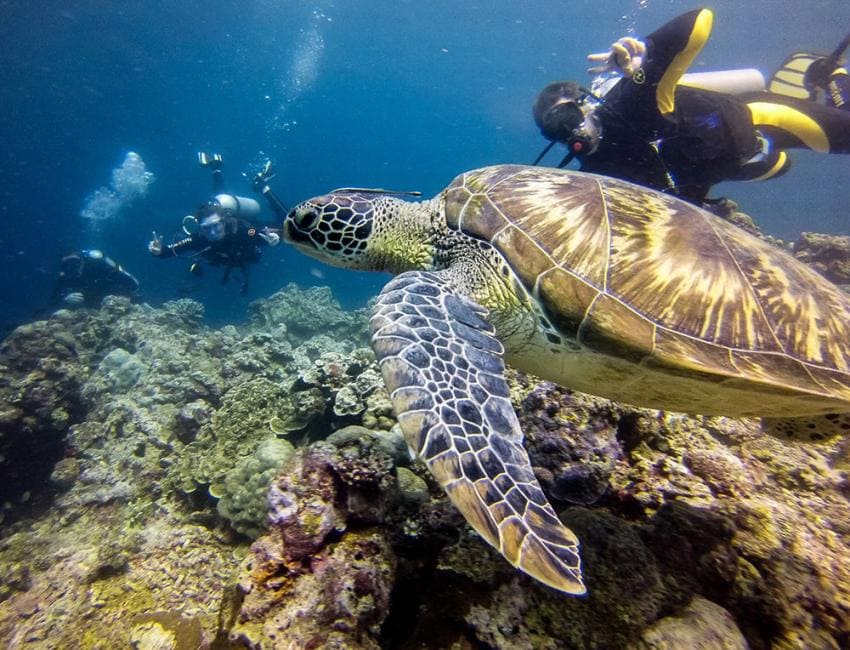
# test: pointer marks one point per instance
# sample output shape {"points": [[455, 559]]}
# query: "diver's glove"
{"points": [[155, 245], [261, 180], [271, 238], [626, 56]]}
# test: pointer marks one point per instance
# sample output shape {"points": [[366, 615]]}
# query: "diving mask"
{"points": [[559, 121], [212, 228], [574, 123]]}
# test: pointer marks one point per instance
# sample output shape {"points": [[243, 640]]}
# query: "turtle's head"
{"points": [[354, 228]]}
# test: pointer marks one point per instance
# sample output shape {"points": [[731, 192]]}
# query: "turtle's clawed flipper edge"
{"points": [[444, 370]]}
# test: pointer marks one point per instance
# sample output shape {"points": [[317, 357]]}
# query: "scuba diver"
{"points": [[87, 276], [223, 231], [648, 127]]}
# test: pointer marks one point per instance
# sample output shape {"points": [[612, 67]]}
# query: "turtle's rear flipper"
{"points": [[443, 368], [815, 428]]}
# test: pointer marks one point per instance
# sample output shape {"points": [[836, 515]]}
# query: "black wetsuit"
{"points": [[242, 241], [240, 246], [684, 140], [94, 276]]}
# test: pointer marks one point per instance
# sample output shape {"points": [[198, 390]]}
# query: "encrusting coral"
{"points": [[167, 484], [829, 254]]}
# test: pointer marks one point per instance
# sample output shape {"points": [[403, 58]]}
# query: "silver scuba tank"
{"points": [[240, 206]]}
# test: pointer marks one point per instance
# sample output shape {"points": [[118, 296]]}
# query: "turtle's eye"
{"points": [[305, 219]]}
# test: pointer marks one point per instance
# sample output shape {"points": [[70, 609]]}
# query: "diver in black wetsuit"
{"points": [[87, 276], [649, 130], [223, 231]]}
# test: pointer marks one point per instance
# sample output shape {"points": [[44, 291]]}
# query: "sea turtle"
{"points": [[591, 282]]}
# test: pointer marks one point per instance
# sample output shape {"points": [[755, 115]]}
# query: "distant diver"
{"points": [[224, 230], [86, 277], [649, 128]]}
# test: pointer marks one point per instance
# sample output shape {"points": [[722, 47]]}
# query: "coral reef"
{"points": [[352, 388], [298, 316], [43, 366], [701, 624], [829, 254], [242, 497], [232, 433], [170, 485], [317, 581], [826, 253]]}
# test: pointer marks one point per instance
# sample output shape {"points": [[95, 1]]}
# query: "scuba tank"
{"points": [[729, 82], [235, 207], [239, 206]]}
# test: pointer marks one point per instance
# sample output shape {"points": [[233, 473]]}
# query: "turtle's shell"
{"points": [[640, 276]]}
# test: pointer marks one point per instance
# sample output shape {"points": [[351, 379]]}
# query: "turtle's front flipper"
{"points": [[815, 428], [443, 368]]}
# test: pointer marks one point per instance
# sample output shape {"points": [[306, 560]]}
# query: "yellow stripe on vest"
{"points": [[791, 120], [664, 98], [781, 161]]}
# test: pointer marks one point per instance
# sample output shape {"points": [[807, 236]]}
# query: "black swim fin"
{"points": [[790, 79], [803, 73]]}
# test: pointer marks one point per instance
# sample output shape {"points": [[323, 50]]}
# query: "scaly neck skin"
{"points": [[404, 238], [414, 236]]}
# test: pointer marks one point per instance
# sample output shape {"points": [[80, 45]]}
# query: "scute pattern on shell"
{"points": [[444, 371], [649, 278]]}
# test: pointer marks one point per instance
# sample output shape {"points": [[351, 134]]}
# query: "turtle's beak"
{"points": [[287, 227]]}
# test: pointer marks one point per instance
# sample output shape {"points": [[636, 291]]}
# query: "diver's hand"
{"points": [[259, 182], [271, 238], [155, 245], [626, 56]]}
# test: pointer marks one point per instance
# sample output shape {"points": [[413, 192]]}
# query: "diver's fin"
{"points": [[804, 72], [790, 78], [816, 428]]}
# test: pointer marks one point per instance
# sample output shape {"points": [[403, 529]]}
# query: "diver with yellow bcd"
{"points": [[655, 126]]}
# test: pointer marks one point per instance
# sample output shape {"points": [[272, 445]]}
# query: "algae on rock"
{"points": [[695, 519]]}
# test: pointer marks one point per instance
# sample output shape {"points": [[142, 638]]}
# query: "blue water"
{"points": [[399, 94]]}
